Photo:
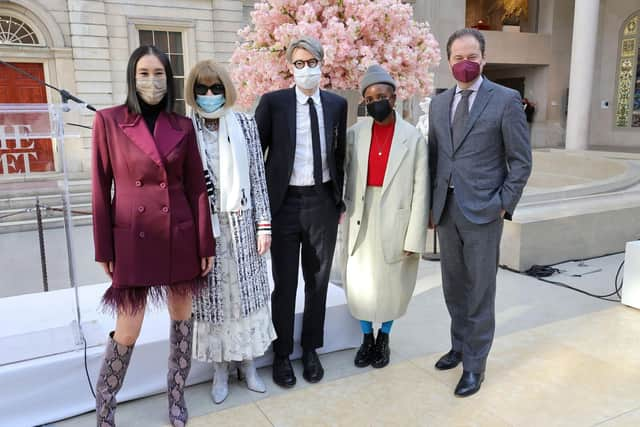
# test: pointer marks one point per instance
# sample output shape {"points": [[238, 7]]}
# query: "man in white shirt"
{"points": [[302, 131]]}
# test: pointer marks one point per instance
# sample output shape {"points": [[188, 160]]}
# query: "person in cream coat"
{"points": [[387, 197]]}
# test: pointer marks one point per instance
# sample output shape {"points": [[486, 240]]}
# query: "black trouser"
{"points": [[307, 219]]}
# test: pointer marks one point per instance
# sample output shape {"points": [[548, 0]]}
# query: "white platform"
{"points": [[631, 288], [38, 390]]}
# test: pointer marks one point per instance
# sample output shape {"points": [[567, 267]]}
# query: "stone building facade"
{"points": [[83, 46]]}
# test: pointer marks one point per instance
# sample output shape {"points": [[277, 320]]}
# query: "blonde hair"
{"points": [[209, 70]]}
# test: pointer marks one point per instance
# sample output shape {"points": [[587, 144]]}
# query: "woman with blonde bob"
{"points": [[232, 314]]}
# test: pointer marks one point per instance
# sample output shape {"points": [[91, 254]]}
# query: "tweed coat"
{"points": [[156, 226]]}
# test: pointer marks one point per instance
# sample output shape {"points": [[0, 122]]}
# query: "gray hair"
{"points": [[308, 43]]}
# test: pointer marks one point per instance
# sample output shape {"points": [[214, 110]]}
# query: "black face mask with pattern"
{"points": [[379, 110]]}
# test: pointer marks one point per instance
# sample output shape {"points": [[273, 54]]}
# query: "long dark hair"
{"points": [[133, 102]]}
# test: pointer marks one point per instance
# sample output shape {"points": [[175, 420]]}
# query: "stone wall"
{"points": [[613, 13]]}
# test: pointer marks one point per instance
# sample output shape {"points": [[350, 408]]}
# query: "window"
{"points": [[170, 42], [494, 15], [628, 86], [14, 31]]}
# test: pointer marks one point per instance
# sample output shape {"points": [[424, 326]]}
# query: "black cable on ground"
{"points": [[619, 288], [86, 366], [540, 272]]}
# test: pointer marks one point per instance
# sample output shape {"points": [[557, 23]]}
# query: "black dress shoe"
{"points": [[312, 368], [283, 372], [449, 360], [365, 353], [469, 383], [381, 353]]}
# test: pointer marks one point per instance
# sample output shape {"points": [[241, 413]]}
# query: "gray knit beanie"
{"points": [[376, 74]]}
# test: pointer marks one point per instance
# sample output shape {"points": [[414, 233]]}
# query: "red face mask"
{"points": [[466, 71]]}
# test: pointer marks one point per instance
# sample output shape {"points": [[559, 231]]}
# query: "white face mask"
{"points": [[307, 78], [151, 89]]}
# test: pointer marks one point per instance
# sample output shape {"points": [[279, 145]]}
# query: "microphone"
{"points": [[64, 94]]}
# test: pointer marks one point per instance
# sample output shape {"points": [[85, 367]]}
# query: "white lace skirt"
{"points": [[237, 338], [234, 340]]}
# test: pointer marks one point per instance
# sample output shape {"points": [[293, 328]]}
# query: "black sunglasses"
{"points": [[216, 89]]}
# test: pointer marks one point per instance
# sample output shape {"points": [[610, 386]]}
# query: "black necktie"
{"points": [[315, 139], [460, 117]]}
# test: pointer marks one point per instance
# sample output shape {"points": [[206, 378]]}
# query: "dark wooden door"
{"points": [[16, 88]]}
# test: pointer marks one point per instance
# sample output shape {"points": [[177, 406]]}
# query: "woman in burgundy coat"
{"points": [[153, 236]]}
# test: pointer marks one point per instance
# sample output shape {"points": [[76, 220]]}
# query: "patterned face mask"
{"points": [[151, 89]]}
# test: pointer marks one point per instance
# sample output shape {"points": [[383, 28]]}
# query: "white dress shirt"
{"points": [[457, 97], [302, 174]]}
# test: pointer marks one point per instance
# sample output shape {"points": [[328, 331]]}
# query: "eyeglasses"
{"points": [[311, 63], [371, 99], [216, 89]]}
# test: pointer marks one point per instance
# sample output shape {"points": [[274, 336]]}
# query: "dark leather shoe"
{"points": [[449, 360], [283, 372], [365, 353], [381, 353], [469, 383], [312, 368]]}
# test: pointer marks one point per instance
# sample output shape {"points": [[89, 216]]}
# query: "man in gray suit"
{"points": [[480, 160]]}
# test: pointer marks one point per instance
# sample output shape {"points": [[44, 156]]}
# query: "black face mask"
{"points": [[379, 110]]}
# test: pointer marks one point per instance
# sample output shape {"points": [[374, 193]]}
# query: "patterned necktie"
{"points": [[460, 118], [315, 139]]}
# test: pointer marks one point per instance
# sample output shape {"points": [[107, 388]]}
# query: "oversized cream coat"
{"points": [[401, 211]]}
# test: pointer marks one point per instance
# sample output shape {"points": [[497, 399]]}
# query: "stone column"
{"points": [[583, 57]]}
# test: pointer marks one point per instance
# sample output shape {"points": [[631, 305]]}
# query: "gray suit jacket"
{"points": [[490, 166]]}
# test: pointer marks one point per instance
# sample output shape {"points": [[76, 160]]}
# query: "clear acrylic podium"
{"points": [[46, 253], [35, 202]]}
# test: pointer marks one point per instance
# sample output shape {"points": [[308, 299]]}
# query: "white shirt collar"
{"points": [[302, 98], [474, 87]]}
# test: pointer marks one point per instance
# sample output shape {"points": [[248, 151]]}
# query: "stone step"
{"points": [[23, 202], [18, 201], [9, 189], [48, 211], [48, 223]]}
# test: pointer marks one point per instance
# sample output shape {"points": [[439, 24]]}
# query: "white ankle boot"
{"points": [[254, 382], [220, 387]]}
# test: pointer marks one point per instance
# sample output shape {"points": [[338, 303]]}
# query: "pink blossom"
{"points": [[354, 33]]}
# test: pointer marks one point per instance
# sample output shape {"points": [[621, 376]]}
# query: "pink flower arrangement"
{"points": [[354, 34]]}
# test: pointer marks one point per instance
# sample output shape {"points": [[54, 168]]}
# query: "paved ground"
{"points": [[22, 270], [560, 359]]}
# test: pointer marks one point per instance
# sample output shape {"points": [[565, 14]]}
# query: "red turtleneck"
{"points": [[381, 138]]}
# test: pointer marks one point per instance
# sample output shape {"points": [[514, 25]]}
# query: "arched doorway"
{"points": [[35, 155], [27, 36]]}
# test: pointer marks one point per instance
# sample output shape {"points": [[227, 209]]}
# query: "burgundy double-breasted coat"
{"points": [[156, 226]]}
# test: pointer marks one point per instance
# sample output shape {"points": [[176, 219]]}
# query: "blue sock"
{"points": [[366, 326], [386, 326]]}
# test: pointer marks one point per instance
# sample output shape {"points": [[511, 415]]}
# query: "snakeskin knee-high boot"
{"points": [[114, 367], [180, 339]]}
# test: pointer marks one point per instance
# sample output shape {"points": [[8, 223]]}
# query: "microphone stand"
{"points": [[64, 94]]}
